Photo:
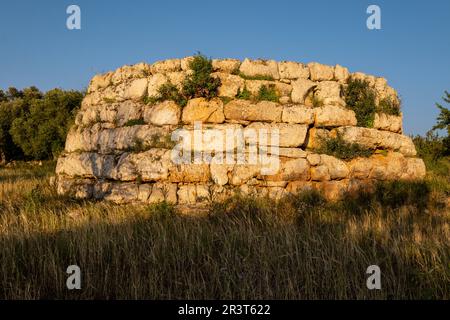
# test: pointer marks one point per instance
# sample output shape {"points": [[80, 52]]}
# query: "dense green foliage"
{"points": [[361, 98], [431, 147], [200, 83], [339, 148], [34, 125], [443, 123]]}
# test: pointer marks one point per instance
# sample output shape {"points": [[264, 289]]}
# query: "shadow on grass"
{"points": [[298, 248]]}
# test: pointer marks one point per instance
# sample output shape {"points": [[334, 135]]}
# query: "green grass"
{"points": [[267, 93], [339, 148], [316, 102], [225, 100], [244, 94], [246, 248], [168, 91], [134, 122], [255, 77]]}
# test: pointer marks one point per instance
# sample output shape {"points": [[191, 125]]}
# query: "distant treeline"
{"points": [[33, 124]]}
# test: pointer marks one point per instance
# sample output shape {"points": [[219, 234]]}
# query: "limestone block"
{"points": [[164, 113], [260, 68], [373, 138], [293, 70], [225, 65], [200, 109], [334, 116], [230, 84], [246, 110], [329, 93], [341, 74], [298, 114], [320, 72], [154, 83], [388, 122], [165, 66], [290, 135], [300, 89]]}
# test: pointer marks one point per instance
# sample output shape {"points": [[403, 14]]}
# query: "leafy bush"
{"points": [[443, 123], [360, 97], [267, 93], [342, 149], [200, 83], [244, 94]]}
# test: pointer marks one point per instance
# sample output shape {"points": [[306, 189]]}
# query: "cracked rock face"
{"points": [[124, 150]]}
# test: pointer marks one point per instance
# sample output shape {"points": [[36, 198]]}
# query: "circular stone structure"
{"points": [[122, 145]]}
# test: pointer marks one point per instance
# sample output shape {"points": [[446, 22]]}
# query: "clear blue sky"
{"points": [[412, 50]]}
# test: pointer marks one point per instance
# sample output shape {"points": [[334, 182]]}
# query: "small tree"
{"points": [[433, 146], [443, 122], [200, 83]]}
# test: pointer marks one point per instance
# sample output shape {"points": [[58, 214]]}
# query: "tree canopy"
{"points": [[34, 125]]}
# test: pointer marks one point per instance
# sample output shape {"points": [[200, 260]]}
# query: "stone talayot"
{"points": [[120, 149]]}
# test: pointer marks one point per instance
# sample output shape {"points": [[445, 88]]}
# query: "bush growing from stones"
{"points": [[267, 93], [244, 94], [200, 83], [360, 97], [134, 122], [389, 106], [339, 148]]}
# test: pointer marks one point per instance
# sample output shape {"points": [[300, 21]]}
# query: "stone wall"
{"points": [[120, 147]]}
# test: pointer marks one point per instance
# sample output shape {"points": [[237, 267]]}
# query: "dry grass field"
{"points": [[298, 248]]}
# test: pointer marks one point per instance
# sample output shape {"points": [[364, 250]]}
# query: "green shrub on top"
{"points": [[198, 84]]}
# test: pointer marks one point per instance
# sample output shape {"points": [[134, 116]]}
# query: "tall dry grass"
{"points": [[298, 248]]}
